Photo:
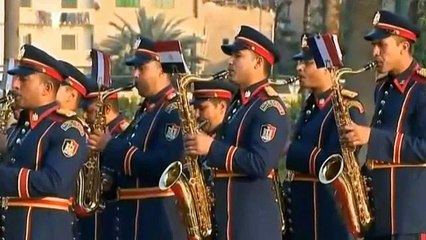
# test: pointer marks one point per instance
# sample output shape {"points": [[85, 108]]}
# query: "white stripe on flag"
{"points": [[171, 57], [323, 51], [101, 68], [337, 45]]}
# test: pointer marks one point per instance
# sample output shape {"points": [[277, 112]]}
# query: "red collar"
{"points": [[252, 91], [37, 115]]}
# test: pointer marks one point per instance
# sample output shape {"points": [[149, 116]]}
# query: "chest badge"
{"points": [[267, 132], [69, 147], [172, 131]]}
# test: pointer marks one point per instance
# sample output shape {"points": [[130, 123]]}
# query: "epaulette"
{"points": [[270, 91], [349, 93], [65, 112]]}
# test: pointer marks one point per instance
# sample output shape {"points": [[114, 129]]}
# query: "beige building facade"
{"points": [[68, 29]]}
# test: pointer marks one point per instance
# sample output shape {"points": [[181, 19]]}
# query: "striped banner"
{"points": [[101, 68], [171, 56], [326, 50]]}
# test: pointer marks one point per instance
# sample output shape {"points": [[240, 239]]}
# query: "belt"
{"points": [[225, 174], [46, 202], [295, 176], [142, 193], [376, 164]]}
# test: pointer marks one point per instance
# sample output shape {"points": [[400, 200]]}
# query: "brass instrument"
{"points": [[5, 111], [375, 164], [89, 182], [343, 171], [194, 197]]}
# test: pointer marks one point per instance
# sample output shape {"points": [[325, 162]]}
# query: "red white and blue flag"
{"points": [[101, 68]]}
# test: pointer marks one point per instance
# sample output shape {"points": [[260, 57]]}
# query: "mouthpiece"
{"points": [[221, 75], [370, 65], [287, 81]]}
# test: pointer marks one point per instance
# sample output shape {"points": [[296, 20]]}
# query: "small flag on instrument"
{"points": [[326, 51], [7, 78], [101, 68], [171, 56]]}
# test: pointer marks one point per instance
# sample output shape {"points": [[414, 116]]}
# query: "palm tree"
{"points": [[156, 28]]}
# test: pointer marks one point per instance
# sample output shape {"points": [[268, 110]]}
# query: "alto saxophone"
{"points": [[193, 195], [343, 171], [90, 182], [6, 111]]}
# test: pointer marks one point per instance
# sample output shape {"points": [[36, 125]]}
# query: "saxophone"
{"points": [[90, 181], [5, 111], [343, 171], [194, 197]]}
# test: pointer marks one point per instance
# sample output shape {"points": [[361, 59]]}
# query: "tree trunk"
{"points": [[332, 16], [359, 18], [307, 16]]}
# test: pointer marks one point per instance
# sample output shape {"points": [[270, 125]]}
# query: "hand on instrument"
{"points": [[356, 135], [197, 144], [98, 140]]}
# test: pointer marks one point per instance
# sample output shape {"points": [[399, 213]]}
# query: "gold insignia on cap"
{"points": [[137, 43], [21, 53], [304, 42], [376, 18]]}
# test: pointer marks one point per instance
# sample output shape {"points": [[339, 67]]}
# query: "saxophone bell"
{"points": [[331, 169]]}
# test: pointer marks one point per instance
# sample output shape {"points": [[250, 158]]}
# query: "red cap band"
{"points": [[96, 94], [150, 53], [213, 93], [40, 67], [255, 47], [77, 86], [397, 31]]}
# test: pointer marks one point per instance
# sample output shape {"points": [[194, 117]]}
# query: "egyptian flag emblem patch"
{"points": [[172, 131], [267, 132]]}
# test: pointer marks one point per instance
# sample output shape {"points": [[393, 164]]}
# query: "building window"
{"points": [[164, 3], [26, 39], [127, 3], [25, 3], [69, 4], [68, 42]]}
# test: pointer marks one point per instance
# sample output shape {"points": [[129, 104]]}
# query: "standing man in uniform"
{"points": [[74, 89], [48, 150], [101, 225], [139, 155], [211, 101], [311, 208], [396, 139], [249, 144]]}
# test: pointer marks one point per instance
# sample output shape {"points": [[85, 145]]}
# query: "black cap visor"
{"points": [[377, 34]]}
